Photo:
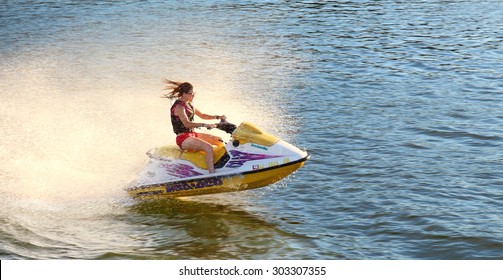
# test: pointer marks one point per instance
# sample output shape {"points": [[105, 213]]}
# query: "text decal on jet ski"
{"points": [[196, 184], [259, 147], [240, 158]]}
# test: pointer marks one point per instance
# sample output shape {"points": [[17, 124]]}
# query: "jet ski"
{"points": [[252, 158]]}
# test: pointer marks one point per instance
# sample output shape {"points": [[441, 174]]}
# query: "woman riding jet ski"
{"points": [[203, 164], [182, 119]]}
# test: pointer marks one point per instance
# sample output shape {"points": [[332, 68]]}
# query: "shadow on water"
{"points": [[187, 229]]}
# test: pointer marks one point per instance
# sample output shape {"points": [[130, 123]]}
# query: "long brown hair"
{"points": [[177, 89]]}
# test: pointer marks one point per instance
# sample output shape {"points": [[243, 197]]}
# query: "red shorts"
{"points": [[182, 136]]}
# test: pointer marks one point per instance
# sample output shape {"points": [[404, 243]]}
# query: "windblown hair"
{"points": [[177, 89]]}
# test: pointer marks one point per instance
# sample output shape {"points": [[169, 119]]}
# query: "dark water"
{"points": [[399, 102]]}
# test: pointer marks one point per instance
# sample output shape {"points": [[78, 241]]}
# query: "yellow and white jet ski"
{"points": [[251, 159]]}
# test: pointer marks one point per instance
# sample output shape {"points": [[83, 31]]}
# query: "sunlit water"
{"points": [[399, 103]]}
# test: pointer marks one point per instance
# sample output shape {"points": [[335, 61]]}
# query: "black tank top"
{"points": [[178, 126]]}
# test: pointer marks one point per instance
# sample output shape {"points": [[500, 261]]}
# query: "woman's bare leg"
{"points": [[196, 144], [212, 139]]}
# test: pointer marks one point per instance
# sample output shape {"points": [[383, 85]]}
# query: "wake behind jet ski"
{"points": [[251, 159]]}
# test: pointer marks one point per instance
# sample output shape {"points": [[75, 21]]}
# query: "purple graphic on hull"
{"points": [[180, 170], [240, 158]]}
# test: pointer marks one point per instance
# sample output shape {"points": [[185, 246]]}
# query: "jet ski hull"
{"points": [[218, 183]]}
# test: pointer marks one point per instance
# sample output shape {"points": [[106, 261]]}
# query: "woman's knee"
{"points": [[197, 144], [208, 149]]}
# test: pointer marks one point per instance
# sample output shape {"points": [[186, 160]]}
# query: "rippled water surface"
{"points": [[399, 103]]}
